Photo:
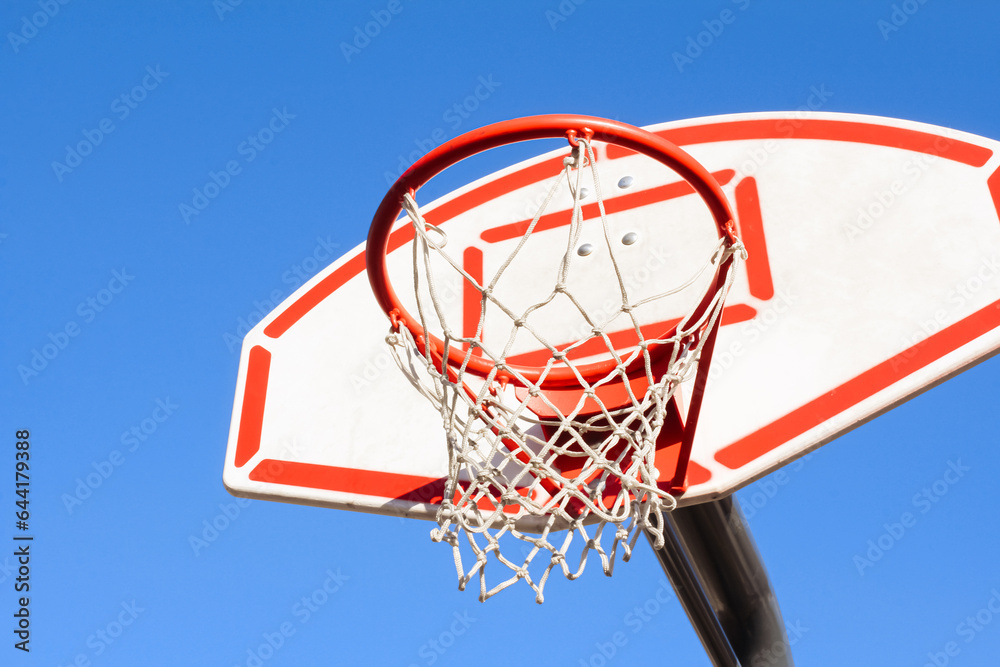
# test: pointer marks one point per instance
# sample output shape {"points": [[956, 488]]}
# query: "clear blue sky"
{"points": [[98, 259]]}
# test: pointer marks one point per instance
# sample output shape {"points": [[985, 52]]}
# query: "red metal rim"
{"points": [[502, 134]]}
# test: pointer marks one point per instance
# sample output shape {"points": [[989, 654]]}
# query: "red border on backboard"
{"points": [[828, 130]]}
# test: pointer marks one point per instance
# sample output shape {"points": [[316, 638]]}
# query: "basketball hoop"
{"points": [[566, 437]]}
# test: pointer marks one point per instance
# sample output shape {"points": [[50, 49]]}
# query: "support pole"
{"points": [[713, 564]]}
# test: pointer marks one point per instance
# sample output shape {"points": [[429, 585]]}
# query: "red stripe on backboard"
{"points": [[252, 413], [617, 204], [863, 386], [472, 298], [298, 308], [697, 474], [347, 480], [751, 231], [738, 312], [400, 237], [372, 483], [830, 130], [621, 340], [494, 189], [624, 339]]}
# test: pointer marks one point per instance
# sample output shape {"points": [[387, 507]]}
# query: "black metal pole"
{"points": [[713, 564], [681, 572]]}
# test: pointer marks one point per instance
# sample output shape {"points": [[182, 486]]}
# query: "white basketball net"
{"points": [[502, 458]]}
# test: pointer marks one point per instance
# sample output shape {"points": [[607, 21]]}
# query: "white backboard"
{"points": [[874, 252]]}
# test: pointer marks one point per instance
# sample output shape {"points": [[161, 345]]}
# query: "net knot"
{"points": [[486, 475], [509, 498]]}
